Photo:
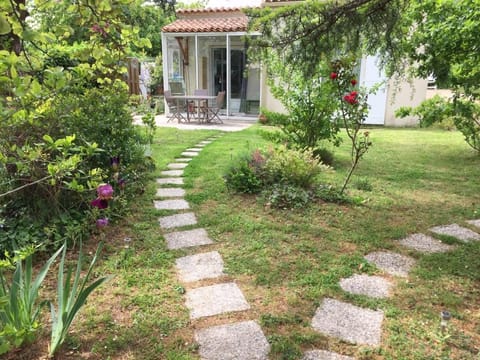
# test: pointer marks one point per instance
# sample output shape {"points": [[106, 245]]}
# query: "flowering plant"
{"points": [[353, 110]]}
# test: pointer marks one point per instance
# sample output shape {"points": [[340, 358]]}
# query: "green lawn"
{"points": [[286, 261]]}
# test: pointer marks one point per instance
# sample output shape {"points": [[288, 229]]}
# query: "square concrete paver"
{"points": [[348, 322], [425, 244], [178, 204], [187, 238], [183, 159], [178, 220], [457, 231], [190, 153], [195, 149], [172, 181], [200, 266], [324, 355], [172, 172], [214, 300], [475, 223], [176, 166], [391, 263], [170, 192], [205, 142], [238, 341], [373, 286]]}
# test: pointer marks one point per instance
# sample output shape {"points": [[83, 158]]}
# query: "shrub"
{"points": [[329, 193], [242, 177], [463, 110], [363, 184], [294, 167], [273, 118], [324, 155], [285, 196]]}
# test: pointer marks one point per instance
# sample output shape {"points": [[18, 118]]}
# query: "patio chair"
{"points": [[176, 88], [199, 106], [175, 108], [212, 111]]}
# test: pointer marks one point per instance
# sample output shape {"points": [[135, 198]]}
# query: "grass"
{"points": [[286, 262]]}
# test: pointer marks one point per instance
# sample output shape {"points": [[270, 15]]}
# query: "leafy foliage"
{"points": [[464, 113], [310, 32], [352, 112], [307, 100], [19, 308], [295, 167], [286, 196], [283, 176], [72, 293], [64, 115]]}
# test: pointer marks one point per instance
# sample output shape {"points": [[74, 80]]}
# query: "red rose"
{"points": [[333, 75], [353, 82]]}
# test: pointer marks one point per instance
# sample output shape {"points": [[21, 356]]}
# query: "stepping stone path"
{"points": [[348, 322], [170, 192], [187, 238], [475, 223], [457, 231], [178, 220], [236, 341], [373, 286], [425, 244], [172, 181], [176, 166], [200, 266], [245, 340], [171, 204], [364, 326], [240, 341], [391, 263], [215, 299], [172, 172]]}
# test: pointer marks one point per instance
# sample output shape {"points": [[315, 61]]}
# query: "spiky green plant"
{"points": [[70, 297], [19, 308]]}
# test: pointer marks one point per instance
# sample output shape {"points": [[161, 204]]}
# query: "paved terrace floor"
{"points": [[237, 123]]}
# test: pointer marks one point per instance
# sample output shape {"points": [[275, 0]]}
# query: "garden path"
{"points": [[245, 340]]}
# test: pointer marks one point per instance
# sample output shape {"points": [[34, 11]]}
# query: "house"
{"points": [[205, 49]]}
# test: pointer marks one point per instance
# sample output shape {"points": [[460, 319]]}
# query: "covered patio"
{"points": [[204, 49]]}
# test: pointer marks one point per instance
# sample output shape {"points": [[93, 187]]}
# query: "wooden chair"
{"points": [[199, 106], [175, 108], [213, 110]]}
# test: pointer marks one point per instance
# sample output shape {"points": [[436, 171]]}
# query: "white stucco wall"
{"points": [[404, 93]]}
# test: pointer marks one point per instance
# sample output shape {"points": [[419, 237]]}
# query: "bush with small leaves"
{"points": [[294, 167], [285, 196], [242, 178]]}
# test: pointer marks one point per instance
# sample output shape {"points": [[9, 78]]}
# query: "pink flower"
{"points": [[353, 82], [105, 191], [101, 223], [99, 203], [333, 75]]}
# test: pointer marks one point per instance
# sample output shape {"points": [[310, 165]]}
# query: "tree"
{"points": [[414, 38], [307, 32], [62, 95]]}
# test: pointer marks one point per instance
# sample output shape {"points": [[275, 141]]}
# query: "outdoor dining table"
{"points": [[194, 98]]}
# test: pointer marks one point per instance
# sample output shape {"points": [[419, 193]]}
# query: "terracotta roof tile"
{"points": [[209, 10], [208, 24]]}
